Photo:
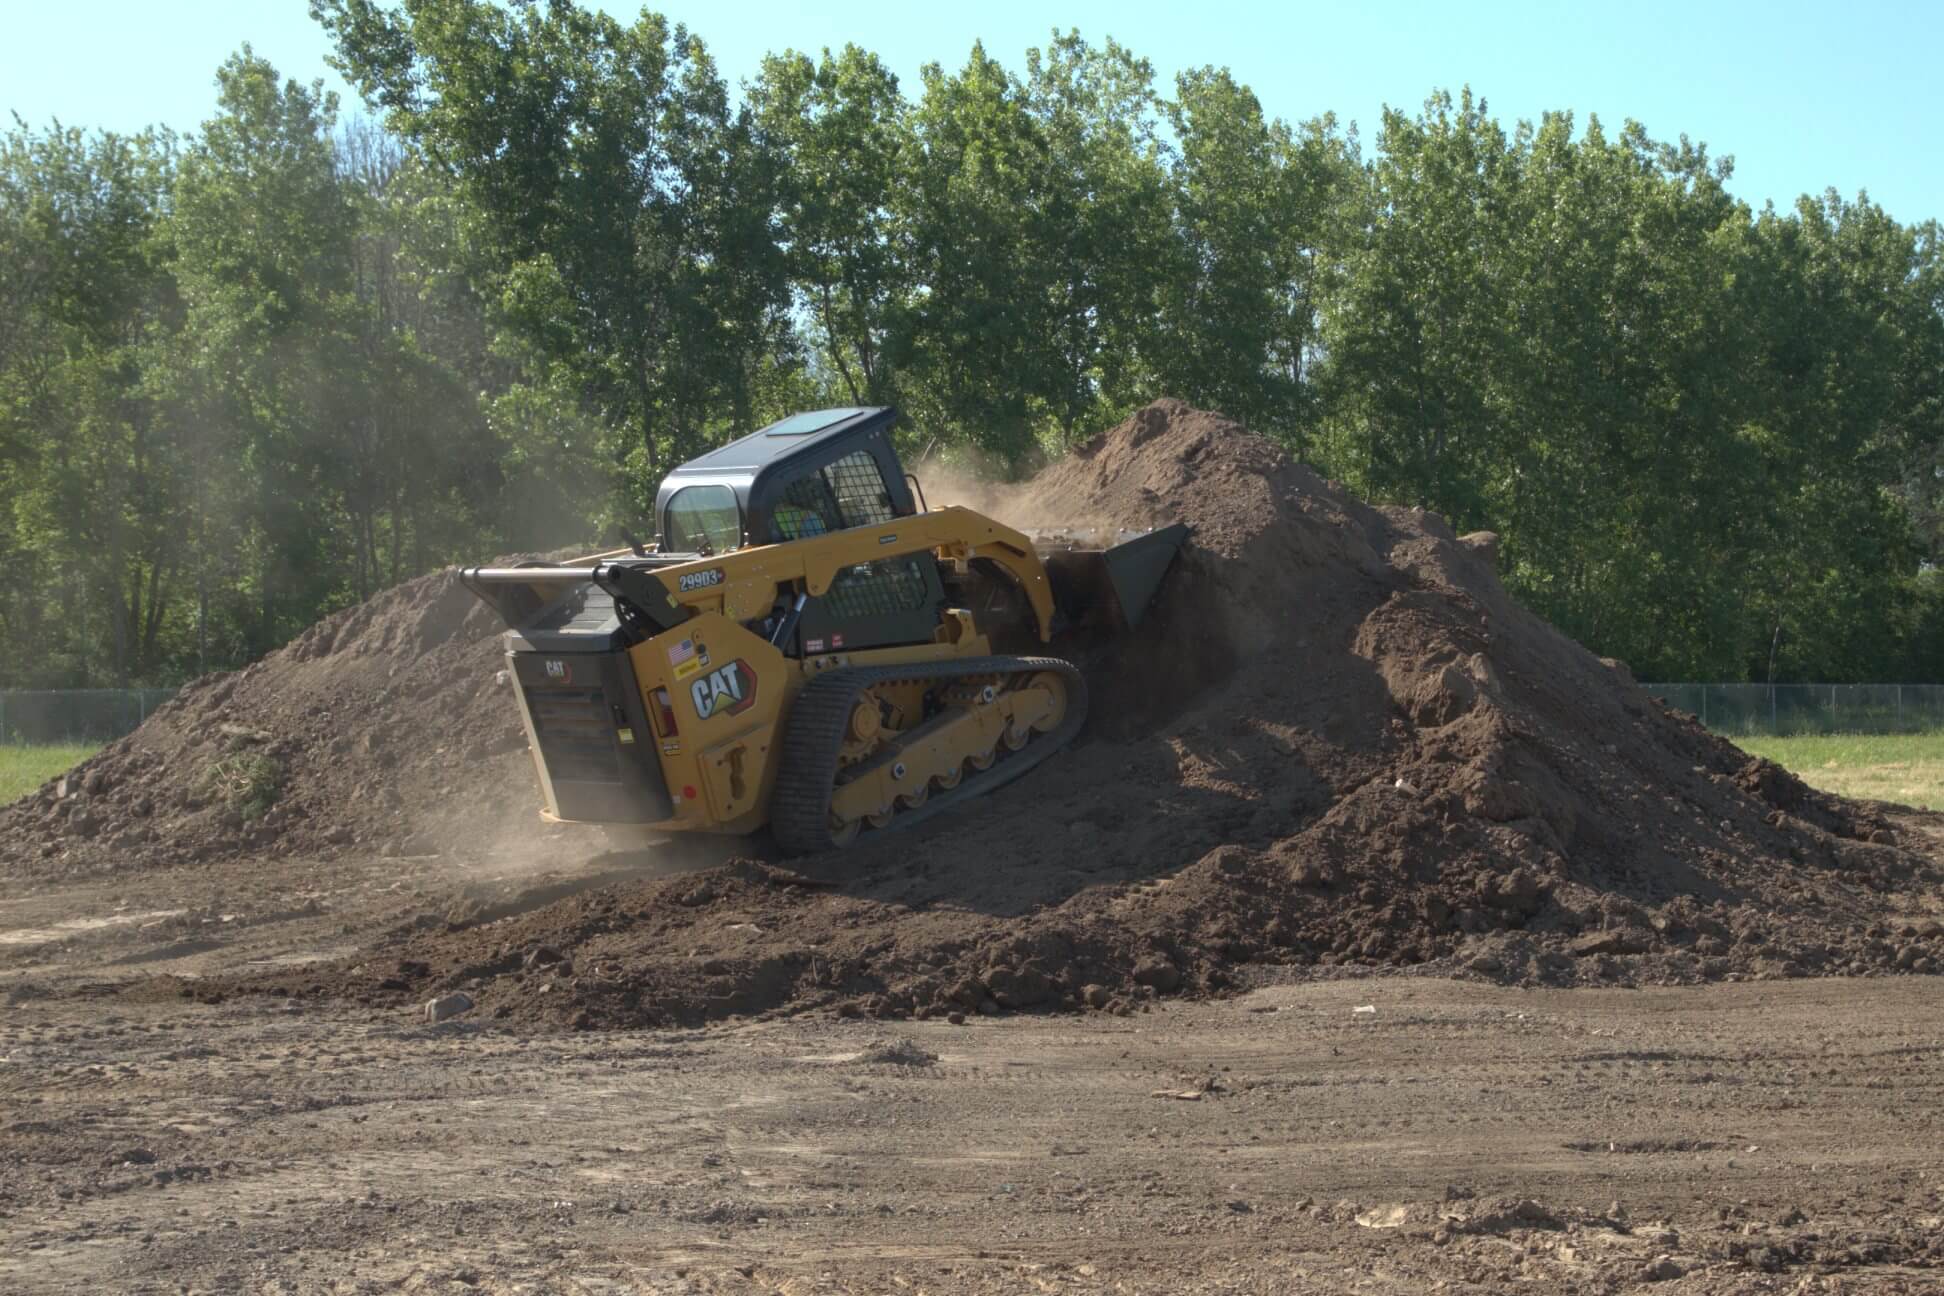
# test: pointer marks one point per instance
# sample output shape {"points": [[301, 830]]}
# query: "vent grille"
{"points": [[877, 588], [576, 734]]}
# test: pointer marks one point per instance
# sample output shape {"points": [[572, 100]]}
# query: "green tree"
{"points": [[1099, 244], [1257, 208], [968, 341], [263, 234], [1418, 311], [837, 128], [624, 214], [85, 461]]}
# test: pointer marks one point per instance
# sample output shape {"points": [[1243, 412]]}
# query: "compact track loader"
{"points": [[806, 646]]}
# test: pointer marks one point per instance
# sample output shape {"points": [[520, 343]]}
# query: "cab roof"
{"points": [[787, 437], [760, 466]]}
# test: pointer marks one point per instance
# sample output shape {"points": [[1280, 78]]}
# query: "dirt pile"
{"points": [[1336, 742], [385, 728]]}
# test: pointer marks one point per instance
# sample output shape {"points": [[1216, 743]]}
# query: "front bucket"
{"points": [[1136, 567], [1113, 587]]}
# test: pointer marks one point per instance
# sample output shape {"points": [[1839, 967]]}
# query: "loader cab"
{"points": [[805, 476], [800, 477]]}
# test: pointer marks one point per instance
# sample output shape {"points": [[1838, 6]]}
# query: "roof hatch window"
{"points": [[813, 421], [702, 519]]}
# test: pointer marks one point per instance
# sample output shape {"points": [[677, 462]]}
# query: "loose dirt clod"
{"points": [[1336, 743]]}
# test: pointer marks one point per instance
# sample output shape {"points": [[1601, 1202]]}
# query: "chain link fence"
{"points": [[1760, 710], [75, 715]]}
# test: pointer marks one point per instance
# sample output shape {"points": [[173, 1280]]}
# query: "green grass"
{"points": [[24, 768], [1905, 768]]}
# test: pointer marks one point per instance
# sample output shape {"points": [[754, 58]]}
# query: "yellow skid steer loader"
{"points": [[806, 646]]}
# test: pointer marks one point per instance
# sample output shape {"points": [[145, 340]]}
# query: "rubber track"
{"points": [[814, 738]]}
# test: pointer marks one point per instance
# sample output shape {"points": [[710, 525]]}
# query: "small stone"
{"points": [[1095, 996], [955, 1017], [448, 1005], [1614, 940]]}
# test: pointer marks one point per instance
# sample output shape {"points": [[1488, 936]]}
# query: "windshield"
{"points": [[702, 519]]}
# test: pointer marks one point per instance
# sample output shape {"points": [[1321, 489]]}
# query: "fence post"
{"points": [[1772, 727]]}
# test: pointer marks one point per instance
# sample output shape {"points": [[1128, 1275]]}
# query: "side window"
{"points": [[859, 488], [805, 509], [847, 493], [702, 519]]}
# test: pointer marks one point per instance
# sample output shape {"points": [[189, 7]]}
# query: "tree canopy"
{"points": [[251, 373]]}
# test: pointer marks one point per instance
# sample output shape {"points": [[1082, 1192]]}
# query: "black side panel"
{"points": [[875, 604], [595, 742]]}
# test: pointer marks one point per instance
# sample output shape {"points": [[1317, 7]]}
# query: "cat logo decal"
{"points": [[727, 690]]}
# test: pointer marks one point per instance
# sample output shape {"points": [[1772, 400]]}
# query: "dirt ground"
{"points": [[1375, 938], [1752, 1136]]}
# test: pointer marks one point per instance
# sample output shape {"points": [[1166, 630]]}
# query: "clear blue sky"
{"points": [[1803, 95]]}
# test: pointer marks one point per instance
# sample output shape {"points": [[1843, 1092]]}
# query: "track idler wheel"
{"points": [[866, 721], [1056, 688]]}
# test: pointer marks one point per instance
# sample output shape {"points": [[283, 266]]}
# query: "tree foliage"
{"points": [[254, 373]]}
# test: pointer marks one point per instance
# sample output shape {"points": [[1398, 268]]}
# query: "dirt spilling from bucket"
{"points": [[1336, 743]]}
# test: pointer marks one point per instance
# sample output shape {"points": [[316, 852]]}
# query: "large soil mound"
{"points": [[1336, 741], [386, 728]]}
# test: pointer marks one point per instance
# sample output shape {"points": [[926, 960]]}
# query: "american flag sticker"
{"points": [[681, 652]]}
